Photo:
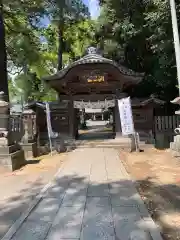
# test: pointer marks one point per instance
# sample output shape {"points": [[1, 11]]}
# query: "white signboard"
{"points": [[49, 128], [126, 117], [51, 134], [48, 119]]}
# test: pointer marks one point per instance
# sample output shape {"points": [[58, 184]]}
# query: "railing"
{"points": [[15, 123], [166, 123], [16, 129], [23, 128], [164, 130]]}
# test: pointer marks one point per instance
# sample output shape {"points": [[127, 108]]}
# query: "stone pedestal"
{"points": [[175, 146], [11, 154], [30, 149], [12, 157]]}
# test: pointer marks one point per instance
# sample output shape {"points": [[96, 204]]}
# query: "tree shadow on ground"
{"points": [[69, 191], [163, 203]]}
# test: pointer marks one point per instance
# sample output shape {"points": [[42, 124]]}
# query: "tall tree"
{"points": [[21, 20], [25, 58], [3, 56], [139, 34], [34, 49], [77, 37], [65, 12]]}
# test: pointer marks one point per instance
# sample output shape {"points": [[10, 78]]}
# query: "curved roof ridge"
{"points": [[95, 55], [94, 58], [122, 68]]}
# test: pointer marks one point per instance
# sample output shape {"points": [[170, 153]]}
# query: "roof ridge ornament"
{"points": [[92, 50]]}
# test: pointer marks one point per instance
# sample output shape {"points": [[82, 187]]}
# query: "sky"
{"points": [[93, 7]]}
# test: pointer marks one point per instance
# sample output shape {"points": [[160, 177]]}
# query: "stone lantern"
{"points": [[29, 142], [11, 154]]}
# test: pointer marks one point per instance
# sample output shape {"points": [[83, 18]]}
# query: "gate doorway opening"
{"points": [[96, 124]]}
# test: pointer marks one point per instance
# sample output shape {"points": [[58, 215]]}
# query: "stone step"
{"points": [[126, 146], [124, 143]]}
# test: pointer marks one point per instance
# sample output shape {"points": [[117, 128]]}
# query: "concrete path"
{"points": [[92, 198]]}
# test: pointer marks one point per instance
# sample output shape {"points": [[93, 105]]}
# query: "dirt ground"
{"points": [[157, 174], [20, 187]]}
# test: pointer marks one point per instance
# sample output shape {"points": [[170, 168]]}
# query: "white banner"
{"points": [[48, 118], [51, 134], [49, 126], [126, 117]]}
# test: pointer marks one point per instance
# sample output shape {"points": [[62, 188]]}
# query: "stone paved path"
{"points": [[92, 198]]}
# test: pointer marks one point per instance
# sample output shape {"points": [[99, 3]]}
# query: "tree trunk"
{"points": [[3, 57], [60, 42]]}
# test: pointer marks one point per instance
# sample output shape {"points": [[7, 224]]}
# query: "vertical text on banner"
{"points": [[126, 117]]}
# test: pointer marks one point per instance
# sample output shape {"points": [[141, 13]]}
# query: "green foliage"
{"points": [[78, 37], [140, 33], [33, 51], [64, 13], [22, 34], [136, 33]]}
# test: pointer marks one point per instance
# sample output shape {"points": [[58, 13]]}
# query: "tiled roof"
{"points": [[93, 58]]}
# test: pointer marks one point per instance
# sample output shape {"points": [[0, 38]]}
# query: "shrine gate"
{"points": [[90, 82]]}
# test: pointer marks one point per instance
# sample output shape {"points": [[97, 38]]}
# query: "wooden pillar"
{"points": [[71, 118], [83, 116], [76, 118], [118, 131]]}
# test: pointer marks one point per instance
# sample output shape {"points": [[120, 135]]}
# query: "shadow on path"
{"points": [[163, 203], [67, 219]]}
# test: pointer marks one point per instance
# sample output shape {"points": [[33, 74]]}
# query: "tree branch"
{"points": [[16, 31], [17, 72]]}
